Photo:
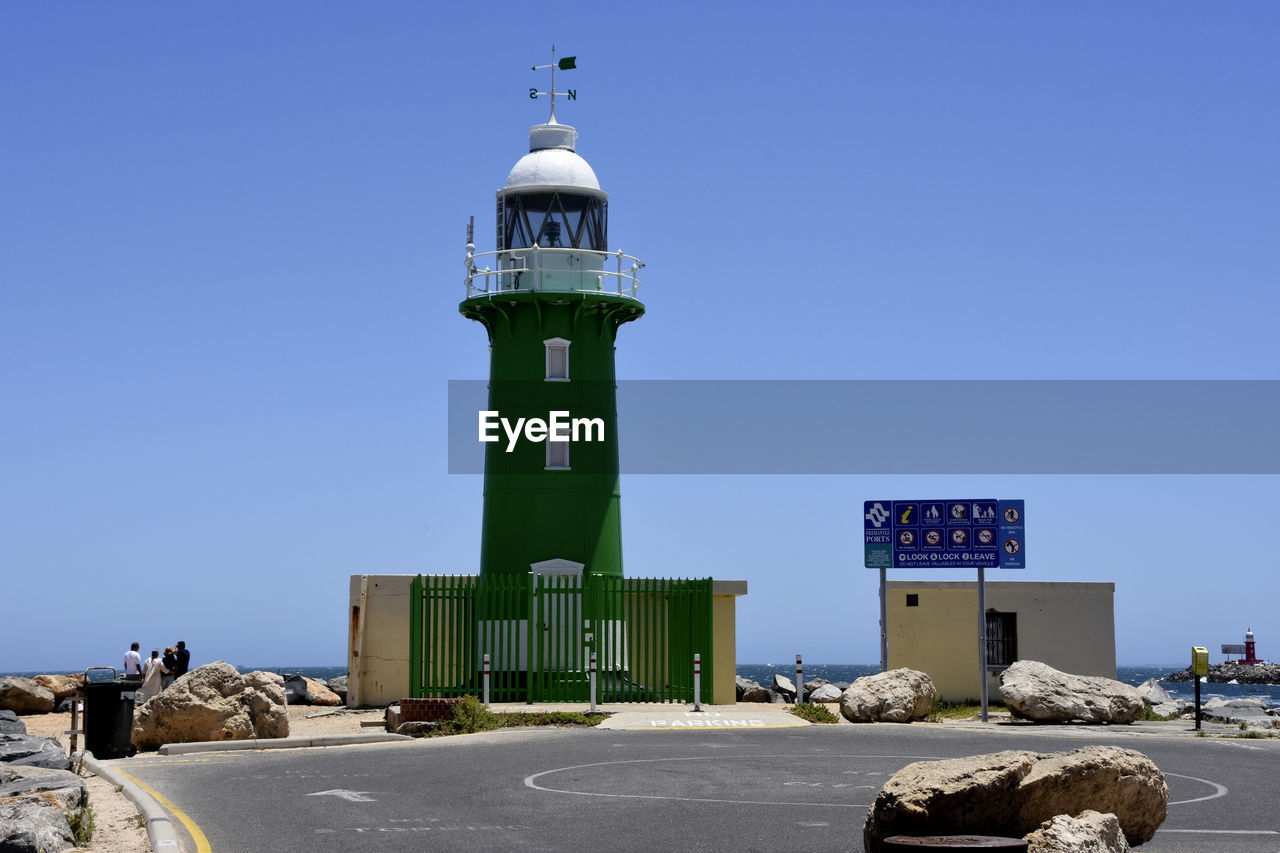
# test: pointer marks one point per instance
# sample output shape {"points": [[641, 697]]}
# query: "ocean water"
{"points": [[763, 673]]}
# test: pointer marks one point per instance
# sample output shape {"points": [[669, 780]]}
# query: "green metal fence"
{"points": [[539, 631]]}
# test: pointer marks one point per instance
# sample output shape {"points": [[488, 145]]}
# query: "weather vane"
{"points": [[564, 64]]}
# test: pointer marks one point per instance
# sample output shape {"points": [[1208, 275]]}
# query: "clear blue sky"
{"points": [[231, 251]]}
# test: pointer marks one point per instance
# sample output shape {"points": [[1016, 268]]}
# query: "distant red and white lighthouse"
{"points": [[1250, 654]]}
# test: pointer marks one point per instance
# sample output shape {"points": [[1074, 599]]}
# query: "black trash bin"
{"points": [[108, 713]]}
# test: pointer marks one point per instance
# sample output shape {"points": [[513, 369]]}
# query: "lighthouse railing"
{"points": [[554, 270]]}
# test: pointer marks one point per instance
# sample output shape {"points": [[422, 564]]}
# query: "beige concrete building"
{"points": [[933, 627], [378, 639]]}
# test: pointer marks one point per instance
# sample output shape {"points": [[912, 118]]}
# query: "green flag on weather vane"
{"points": [[565, 63]]}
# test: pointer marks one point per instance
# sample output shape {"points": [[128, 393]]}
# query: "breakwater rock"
{"points": [[1221, 673]]}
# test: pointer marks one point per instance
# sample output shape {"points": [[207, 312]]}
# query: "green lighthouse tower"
{"points": [[551, 297]]}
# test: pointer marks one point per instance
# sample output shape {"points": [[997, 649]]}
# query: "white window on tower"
{"points": [[557, 455], [557, 359]]}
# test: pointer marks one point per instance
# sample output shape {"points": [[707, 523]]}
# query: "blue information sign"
{"points": [[966, 534]]}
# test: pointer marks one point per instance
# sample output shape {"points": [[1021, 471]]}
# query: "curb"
{"points": [[279, 743], [160, 831]]}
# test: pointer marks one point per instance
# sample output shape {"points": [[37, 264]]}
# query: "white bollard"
{"points": [[593, 682], [486, 679], [799, 681], [697, 682]]}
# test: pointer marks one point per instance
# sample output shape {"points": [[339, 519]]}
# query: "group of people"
{"points": [[156, 672]]}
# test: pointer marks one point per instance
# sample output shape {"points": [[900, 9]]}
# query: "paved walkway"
{"points": [[749, 715], [634, 716]]}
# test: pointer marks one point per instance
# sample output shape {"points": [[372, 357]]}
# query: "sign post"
{"points": [[1199, 667], [884, 620]]}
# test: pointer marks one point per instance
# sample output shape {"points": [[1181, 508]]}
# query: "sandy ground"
{"points": [[117, 828]]}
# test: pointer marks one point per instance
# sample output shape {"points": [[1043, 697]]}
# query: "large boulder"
{"points": [[896, 696], [1087, 832], [10, 724], [211, 703], [339, 686], [1160, 701], [1151, 692], [785, 686], [1252, 712], [825, 693], [302, 690], [260, 678], [1037, 691], [33, 808], [62, 686], [24, 695], [753, 692], [1012, 793], [33, 751]]}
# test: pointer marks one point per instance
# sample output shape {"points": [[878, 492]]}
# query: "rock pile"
{"points": [[1221, 673], [782, 689], [1160, 701], [37, 791], [1014, 793], [34, 807]]}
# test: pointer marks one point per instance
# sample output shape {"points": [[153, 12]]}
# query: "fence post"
{"points": [[799, 681], [697, 682], [593, 681], [486, 678]]}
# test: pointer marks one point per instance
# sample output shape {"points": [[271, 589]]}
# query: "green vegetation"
{"points": [[81, 821], [1254, 735], [1149, 715], [814, 712], [966, 710], [470, 715]]}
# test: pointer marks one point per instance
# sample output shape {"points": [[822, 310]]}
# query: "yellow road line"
{"points": [[202, 843]]}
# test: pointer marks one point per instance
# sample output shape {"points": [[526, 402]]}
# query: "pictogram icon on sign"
{"points": [[1012, 546], [932, 537], [1011, 515], [985, 536], [906, 515], [959, 537], [877, 515], [959, 511], [906, 537]]}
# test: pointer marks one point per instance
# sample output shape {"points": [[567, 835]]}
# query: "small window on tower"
{"points": [[913, 599], [557, 359], [557, 455]]}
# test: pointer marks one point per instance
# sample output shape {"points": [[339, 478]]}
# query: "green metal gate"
{"points": [[539, 631]]}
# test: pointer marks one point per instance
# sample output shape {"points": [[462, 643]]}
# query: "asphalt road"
{"points": [[571, 790]]}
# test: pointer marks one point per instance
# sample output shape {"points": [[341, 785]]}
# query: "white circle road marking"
{"points": [[530, 781], [1220, 792]]}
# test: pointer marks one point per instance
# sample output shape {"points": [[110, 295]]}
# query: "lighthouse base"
{"points": [[426, 636]]}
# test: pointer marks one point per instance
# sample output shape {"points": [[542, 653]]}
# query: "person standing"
{"points": [[132, 663], [152, 671], [184, 659], [170, 661]]}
